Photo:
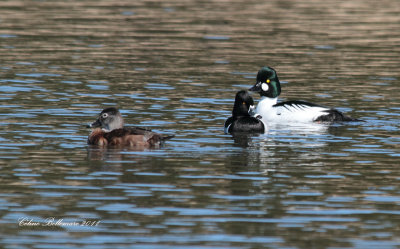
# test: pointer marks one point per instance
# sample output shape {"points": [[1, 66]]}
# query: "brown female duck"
{"points": [[110, 130]]}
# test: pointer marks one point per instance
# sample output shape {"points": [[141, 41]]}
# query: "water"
{"points": [[175, 67]]}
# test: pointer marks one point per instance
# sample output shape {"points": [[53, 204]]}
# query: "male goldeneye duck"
{"points": [[241, 120], [110, 130], [269, 88]]}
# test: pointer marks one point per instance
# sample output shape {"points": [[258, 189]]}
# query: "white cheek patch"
{"points": [[264, 87]]}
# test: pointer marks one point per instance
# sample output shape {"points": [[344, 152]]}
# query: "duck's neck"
{"points": [[266, 103], [237, 114]]}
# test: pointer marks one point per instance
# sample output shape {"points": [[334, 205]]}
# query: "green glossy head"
{"points": [[267, 83]]}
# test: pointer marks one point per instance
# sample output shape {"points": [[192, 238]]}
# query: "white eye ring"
{"points": [[264, 87], [104, 115]]}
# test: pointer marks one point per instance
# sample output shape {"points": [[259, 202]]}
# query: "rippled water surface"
{"points": [[175, 66]]}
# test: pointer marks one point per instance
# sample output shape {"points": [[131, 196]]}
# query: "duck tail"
{"points": [[336, 116], [158, 139]]}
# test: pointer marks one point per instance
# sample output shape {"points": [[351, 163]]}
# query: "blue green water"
{"points": [[175, 67]]}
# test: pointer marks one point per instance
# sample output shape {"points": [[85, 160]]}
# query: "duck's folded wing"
{"points": [[299, 105], [127, 131], [315, 112], [300, 110], [138, 130]]}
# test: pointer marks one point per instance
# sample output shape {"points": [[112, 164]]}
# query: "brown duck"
{"points": [[110, 130]]}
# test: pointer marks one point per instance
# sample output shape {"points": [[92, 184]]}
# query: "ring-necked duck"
{"points": [[241, 120], [269, 88], [110, 130]]}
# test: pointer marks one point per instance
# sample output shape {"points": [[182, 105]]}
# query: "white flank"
{"points": [[287, 113]]}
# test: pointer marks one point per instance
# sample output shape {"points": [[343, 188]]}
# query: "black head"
{"points": [[242, 104], [267, 83], [109, 119]]}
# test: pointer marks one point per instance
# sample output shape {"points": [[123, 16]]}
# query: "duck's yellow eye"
{"points": [[268, 81], [244, 103]]}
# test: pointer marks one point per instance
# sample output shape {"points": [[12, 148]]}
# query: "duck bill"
{"points": [[255, 88], [95, 124]]}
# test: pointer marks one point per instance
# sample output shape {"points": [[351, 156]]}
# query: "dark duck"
{"points": [[269, 88], [110, 130], [241, 121]]}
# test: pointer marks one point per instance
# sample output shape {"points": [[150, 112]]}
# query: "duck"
{"points": [[294, 111], [241, 121], [109, 130]]}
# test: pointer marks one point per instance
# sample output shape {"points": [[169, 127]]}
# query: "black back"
{"points": [[246, 125]]}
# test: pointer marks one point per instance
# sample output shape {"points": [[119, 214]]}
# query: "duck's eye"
{"points": [[264, 87], [268, 81], [244, 103], [104, 115]]}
